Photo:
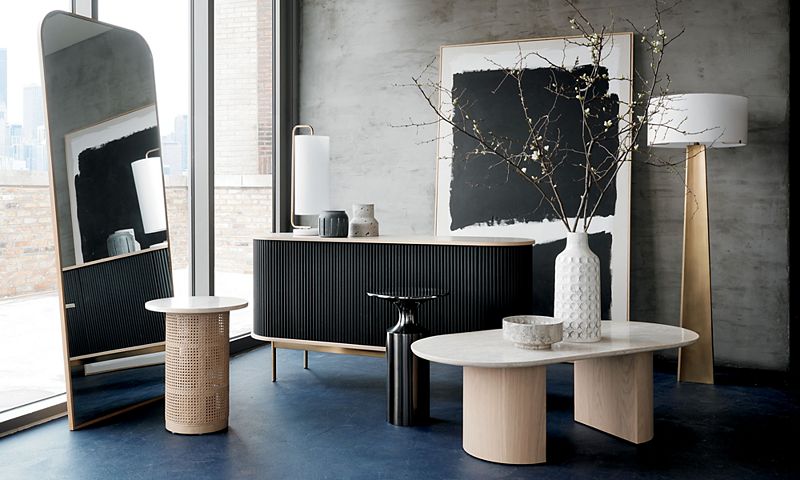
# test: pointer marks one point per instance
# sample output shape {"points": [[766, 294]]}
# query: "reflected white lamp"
{"points": [[149, 180], [697, 122], [310, 177]]}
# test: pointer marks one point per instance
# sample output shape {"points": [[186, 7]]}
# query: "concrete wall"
{"points": [[353, 53]]}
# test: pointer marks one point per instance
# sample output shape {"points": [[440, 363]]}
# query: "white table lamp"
{"points": [[310, 177], [149, 180], [697, 122]]}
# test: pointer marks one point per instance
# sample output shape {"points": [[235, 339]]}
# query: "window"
{"points": [[31, 355], [242, 145], [167, 34]]}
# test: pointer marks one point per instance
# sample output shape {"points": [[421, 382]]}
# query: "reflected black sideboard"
{"points": [[311, 293]]}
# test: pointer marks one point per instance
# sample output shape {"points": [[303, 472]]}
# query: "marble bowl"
{"points": [[532, 332]]}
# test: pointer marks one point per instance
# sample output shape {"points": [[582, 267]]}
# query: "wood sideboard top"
{"points": [[410, 239]]}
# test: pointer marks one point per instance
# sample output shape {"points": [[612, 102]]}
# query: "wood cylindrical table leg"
{"points": [[505, 414], [197, 372]]}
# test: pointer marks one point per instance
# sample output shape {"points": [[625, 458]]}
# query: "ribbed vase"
{"points": [[333, 224], [577, 290]]}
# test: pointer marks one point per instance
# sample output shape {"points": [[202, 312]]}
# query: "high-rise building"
{"points": [[170, 156], [32, 111], [181, 136], [15, 147], [3, 82]]}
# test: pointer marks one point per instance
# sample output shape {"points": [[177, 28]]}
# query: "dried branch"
{"points": [[538, 157]]}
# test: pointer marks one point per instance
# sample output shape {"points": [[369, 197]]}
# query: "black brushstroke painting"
{"points": [[482, 190], [106, 193]]}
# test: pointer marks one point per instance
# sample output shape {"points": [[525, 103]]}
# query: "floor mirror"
{"points": [[109, 206]]}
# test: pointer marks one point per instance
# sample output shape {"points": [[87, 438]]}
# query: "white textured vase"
{"points": [[577, 290], [362, 222]]}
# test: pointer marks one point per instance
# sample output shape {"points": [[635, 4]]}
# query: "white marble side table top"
{"points": [[195, 304]]}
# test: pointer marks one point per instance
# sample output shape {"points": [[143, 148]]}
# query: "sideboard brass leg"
{"points": [[305, 359], [274, 361]]}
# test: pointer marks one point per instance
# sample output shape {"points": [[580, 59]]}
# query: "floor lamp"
{"points": [[697, 122]]}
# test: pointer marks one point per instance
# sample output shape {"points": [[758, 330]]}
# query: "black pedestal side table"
{"points": [[408, 376]]}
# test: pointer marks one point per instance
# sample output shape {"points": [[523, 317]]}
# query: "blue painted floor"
{"points": [[329, 422]]}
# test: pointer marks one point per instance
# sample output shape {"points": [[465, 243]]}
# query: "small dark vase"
{"points": [[333, 223]]}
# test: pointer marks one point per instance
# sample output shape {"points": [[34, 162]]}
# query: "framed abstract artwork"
{"points": [[477, 196]]}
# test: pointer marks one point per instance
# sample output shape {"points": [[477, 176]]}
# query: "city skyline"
{"points": [[19, 34], [16, 116], [23, 145]]}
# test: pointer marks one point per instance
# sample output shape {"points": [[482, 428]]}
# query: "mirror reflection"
{"points": [[101, 105], [108, 192], [116, 192]]}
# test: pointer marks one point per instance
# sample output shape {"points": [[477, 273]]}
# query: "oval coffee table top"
{"points": [[195, 304], [487, 348]]}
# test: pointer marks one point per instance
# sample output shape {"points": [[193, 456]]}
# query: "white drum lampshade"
{"points": [[312, 174], [710, 119], [149, 181]]}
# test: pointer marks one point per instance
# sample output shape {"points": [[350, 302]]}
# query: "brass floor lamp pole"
{"points": [[696, 362]]}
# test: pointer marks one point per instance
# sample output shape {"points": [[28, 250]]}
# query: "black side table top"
{"points": [[414, 294]]}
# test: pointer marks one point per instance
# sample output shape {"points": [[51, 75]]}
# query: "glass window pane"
{"points": [[168, 35], [31, 354], [242, 145]]}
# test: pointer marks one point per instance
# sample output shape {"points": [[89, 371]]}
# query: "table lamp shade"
{"points": [[312, 174], [710, 119], [149, 181]]}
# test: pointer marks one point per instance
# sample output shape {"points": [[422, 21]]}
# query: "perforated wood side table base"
{"points": [[197, 362], [197, 355]]}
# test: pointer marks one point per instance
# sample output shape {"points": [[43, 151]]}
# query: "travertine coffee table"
{"points": [[197, 355], [505, 386]]}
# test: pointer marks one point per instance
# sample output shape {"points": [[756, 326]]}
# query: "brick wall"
{"points": [[178, 218], [242, 213], [27, 245], [27, 252], [264, 59], [236, 87]]}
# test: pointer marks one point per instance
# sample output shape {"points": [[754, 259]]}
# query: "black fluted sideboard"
{"points": [[310, 293]]}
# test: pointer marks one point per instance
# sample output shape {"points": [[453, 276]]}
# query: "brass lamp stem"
{"points": [[696, 362]]}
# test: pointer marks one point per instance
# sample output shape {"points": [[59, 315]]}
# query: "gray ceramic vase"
{"points": [[121, 242], [333, 224], [363, 223]]}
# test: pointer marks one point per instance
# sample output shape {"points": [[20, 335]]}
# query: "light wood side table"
{"points": [[197, 356]]}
